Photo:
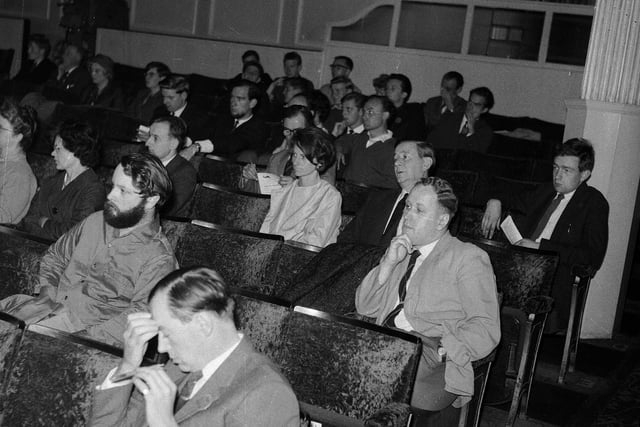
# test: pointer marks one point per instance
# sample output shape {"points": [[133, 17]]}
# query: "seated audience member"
{"points": [[340, 87], [376, 222], [167, 136], [175, 97], [380, 84], [292, 64], [148, 99], [449, 100], [565, 215], [466, 130], [238, 131], [431, 284], [308, 209], [103, 92], [215, 376], [104, 267], [38, 68], [253, 73], [320, 107], [72, 80], [352, 115], [369, 155], [408, 122], [17, 182], [342, 66], [73, 194]]}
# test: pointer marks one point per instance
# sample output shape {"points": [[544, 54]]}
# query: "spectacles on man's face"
{"points": [[371, 112], [288, 132], [7, 129]]}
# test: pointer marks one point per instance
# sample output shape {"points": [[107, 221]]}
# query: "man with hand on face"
{"points": [[104, 267], [352, 116], [433, 285], [449, 100], [466, 130], [214, 377]]}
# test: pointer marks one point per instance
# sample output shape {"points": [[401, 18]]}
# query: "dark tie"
{"points": [[235, 123], [187, 388], [395, 217], [389, 321], [350, 131], [465, 130], [545, 217]]}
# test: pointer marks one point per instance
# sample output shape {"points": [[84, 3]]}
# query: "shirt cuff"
{"points": [[107, 384], [206, 146]]}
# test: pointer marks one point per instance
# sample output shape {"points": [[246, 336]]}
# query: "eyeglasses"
{"points": [[338, 66], [371, 112], [287, 131], [8, 130]]}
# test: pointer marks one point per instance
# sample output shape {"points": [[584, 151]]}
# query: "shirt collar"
{"points": [[426, 249], [242, 121], [211, 367], [358, 129], [166, 162], [179, 111], [380, 138]]}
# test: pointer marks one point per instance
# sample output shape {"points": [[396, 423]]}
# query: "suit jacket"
{"points": [[368, 225], [408, 123], [246, 390], [110, 97], [447, 134], [70, 88], [197, 121], [250, 135], [37, 75], [433, 110], [580, 235], [451, 295], [184, 178]]}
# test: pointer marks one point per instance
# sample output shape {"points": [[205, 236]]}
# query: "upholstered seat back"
{"points": [[220, 171], [293, 259], [353, 195], [20, 256], [11, 330], [463, 183], [42, 165]]}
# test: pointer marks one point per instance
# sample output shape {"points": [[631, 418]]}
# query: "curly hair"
{"points": [[316, 145], [23, 119], [149, 176], [79, 138]]}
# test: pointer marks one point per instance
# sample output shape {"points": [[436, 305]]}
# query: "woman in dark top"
{"points": [[103, 92], [150, 98], [38, 69], [74, 193]]}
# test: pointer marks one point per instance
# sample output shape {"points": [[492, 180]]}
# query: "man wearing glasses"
{"points": [[104, 268], [341, 67]]}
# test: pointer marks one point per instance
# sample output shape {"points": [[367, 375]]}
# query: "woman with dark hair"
{"points": [[308, 209], [149, 98], [17, 182], [103, 92], [73, 194]]}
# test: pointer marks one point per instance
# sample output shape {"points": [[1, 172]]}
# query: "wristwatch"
{"points": [[198, 147]]}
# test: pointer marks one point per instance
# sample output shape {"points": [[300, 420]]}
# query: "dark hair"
{"points": [[77, 48], [253, 64], [177, 128], [162, 69], [316, 145], [447, 199], [454, 75], [293, 56], [320, 105], [23, 119], [195, 289], [344, 80], [357, 98], [248, 53], [175, 82], [346, 59], [380, 82], [298, 83], [387, 106], [42, 42], [80, 138], [404, 82], [148, 174], [103, 61], [580, 148], [298, 110], [425, 149], [485, 93], [253, 91]]}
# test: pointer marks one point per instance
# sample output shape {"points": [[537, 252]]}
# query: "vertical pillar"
{"points": [[608, 114]]}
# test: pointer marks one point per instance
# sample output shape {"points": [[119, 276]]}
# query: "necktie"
{"points": [[545, 217], [235, 123], [187, 388], [465, 130], [395, 217], [350, 131], [389, 321]]}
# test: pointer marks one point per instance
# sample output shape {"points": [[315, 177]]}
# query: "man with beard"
{"points": [[104, 268]]}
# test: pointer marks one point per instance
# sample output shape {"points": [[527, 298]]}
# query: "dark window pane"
{"points": [[506, 33], [431, 27], [569, 39], [375, 28]]}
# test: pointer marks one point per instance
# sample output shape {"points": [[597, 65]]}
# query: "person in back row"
{"points": [[449, 100], [148, 99], [408, 121], [175, 97]]}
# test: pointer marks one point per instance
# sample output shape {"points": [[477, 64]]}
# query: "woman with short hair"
{"points": [[148, 99], [103, 92]]}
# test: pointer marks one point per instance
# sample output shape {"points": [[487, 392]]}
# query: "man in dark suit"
{"points": [[566, 216], [377, 220], [466, 130], [239, 131], [449, 100], [175, 97], [167, 136], [216, 378], [39, 68], [72, 80], [408, 120]]}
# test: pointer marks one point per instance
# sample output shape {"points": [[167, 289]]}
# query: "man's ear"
{"points": [[443, 221], [385, 116], [253, 103], [585, 175], [203, 322], [151, 202], [427, 162]]}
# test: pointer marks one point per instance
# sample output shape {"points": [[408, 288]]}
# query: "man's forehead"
{"points": [[240, 91], [394, 83], [123, 180], [422, 194], [571, 161], [373, 103], [407, 147], [159, 128], [169, 92]]}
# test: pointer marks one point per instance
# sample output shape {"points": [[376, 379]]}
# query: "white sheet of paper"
{"points": [[268, 182], [511, 230]]}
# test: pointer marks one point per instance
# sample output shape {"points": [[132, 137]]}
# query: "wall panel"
{"points": [[165, 16], [246, 20]]}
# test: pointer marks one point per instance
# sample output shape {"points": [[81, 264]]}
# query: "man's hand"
{"points": [[140, 329], [340, 160], [159, 395], [491, 218], [397, 251], [249, 171], [285, 180], [528, 243], [339, 128], [447, 98], [189, 151], [42, 221]]}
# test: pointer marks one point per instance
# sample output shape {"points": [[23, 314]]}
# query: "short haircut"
{"points": [[149, 176], [80, 138], [425, 149], [404, 82], [454, 75], [248, 53], [486, 94], [163, 69], [195, 289], [447, 199], [253, 64], [357, 98], [342, 80], [319, 104], [177, 129], [254, 91], [105, 62], [175, 82], [298, 83], [299, 110], [316, 145], [580, 148], [380, 82], [348, 61], [42, 42], [23, 119], [293, 56], [387, 106], [79, 49]]}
